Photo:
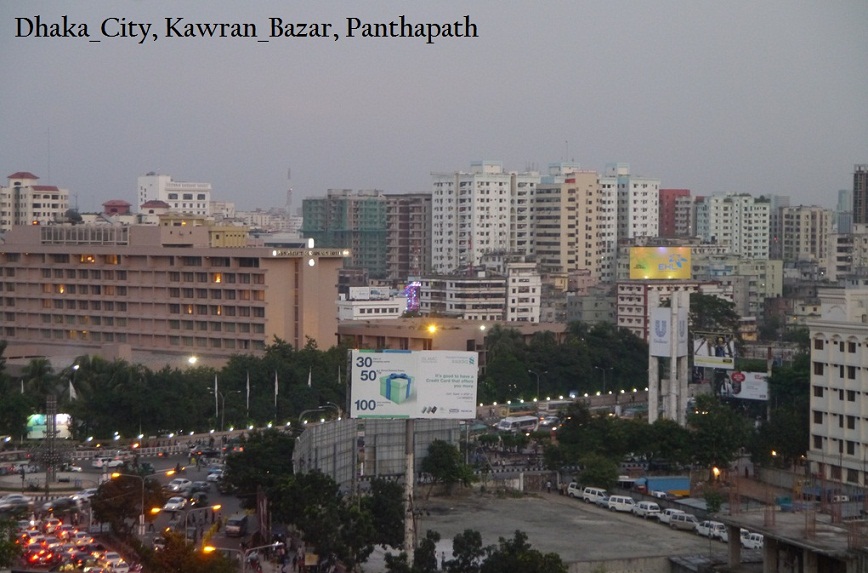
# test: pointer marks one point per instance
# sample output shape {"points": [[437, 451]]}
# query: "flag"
{"points": [[248, 394], [72, 394], [22, 385], [275, 388], [216, 403], [309, 372]]}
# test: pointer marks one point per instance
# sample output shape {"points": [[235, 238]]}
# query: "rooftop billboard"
{"points": [[424, 384], [659, 263]]}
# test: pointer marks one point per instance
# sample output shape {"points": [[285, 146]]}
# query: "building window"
{"points": [[818, 368], [818, 442], [851, 372], [851, 395], [851, 347], [818, 417], [851, 422]]}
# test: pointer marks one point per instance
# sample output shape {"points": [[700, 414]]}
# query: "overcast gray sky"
{"points": [[731, 96]]}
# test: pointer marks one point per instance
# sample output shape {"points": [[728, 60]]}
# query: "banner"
{"points": [[714, 351], [429, 384], [744, 385], [659, 263], [661, 332]]}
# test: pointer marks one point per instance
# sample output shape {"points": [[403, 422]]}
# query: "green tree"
{"points": [[718, 432], [468, 553], [9, 550], [386, 506], [516, 554], [444, 464], [181, 557], [598, 471], [265, 460]]}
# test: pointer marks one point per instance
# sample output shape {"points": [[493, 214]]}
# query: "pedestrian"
{"points": [[443, 560], [549, 486]]}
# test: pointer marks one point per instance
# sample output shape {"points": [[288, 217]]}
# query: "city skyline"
{"points": [[733, 98]]}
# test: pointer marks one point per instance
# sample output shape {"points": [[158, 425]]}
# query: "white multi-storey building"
{"points": [[805, 233], [24, 202], [181, 196], [629, 208], [740, 221], [481, 211], [838, 444], [523, 293]]}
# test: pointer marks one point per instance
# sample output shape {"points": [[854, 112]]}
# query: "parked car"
{"points": [[574, 490], [646, 509], [623, 503], [752, 541], [685, 521], [603, 502], [592, 494], [666, 514], [711, 529]]}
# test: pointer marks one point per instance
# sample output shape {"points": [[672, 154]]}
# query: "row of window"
{"points": [[173, 340], [851, 420], [820, 369], [820, 392], [217, 310]]}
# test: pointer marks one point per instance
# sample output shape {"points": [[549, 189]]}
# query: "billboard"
{"points": [[37, 426], [714, 351], [744, 385], [425, 384], [661, 331], [659, 263]]}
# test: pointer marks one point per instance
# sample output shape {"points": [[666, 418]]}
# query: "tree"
{"points": [[181, 557], [265, 460], [718, 432], [444, 464], [9, 549], [468, 553], [516, 554], [598, 471], [386, 506]]}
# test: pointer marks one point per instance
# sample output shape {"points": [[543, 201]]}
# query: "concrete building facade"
{"points": [[676, 209], [805, 232], [24, 202], [860, 194], [739, 221], [165, 289], [182, 196]]}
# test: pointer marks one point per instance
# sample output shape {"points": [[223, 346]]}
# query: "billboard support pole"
{"points": [[409, 480]]}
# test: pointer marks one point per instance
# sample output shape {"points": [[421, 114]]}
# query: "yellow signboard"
{"points": [[659, 263]]}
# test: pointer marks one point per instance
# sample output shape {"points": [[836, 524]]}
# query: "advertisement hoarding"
{"points": [[424, 384], [660, 335], [745, 385], [659, 263], [714, 351], [37, 425]]}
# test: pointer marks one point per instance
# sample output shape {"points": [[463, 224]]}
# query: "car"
{"points": [[100, 462], [83, 497], [550, 422], [176, 503], [115, 463], [686, 521], [710, 529], [752, 541], [70, 467], [179, 484], [51, 524], [60, 504], [665, 515], [15, 501], [593, 494], [201, 486], [215, 475], [646, 509], [603, 501], [623, 503], [115, 562], [199, 499]]}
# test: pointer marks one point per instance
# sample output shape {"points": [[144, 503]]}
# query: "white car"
{"points": [[175, 504], [711, 529], [115, 463], [115, 562], [214, 476], [646, 509], [752, 541], [666, 515], [179, 484]]}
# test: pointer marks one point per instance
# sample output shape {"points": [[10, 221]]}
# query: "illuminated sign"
{"points": [[659, 263]]}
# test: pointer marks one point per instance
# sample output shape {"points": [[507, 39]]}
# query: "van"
{"points": [[593, 494], [712, 530], [665, 515], [752, 541], [518, 424], [574, 490], [236, 526], [646, 509], [621, 503], [686, 521]]}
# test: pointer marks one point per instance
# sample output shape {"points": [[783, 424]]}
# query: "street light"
{"points": [[142, 513], [187, 516], [244, 553], [537, 380], [223, 404], [603, 370]]}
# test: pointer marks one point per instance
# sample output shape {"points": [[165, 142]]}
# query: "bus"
{"points": [[516, 424]]}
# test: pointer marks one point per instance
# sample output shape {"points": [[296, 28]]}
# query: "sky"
{"points": [[737, 96]]}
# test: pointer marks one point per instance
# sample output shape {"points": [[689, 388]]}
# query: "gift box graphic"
{"points": [[397, 387]]}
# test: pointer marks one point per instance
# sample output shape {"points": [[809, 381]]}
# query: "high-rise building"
{"points": [[345, 219], [739, 221], [775, 240], [182, 196], [180, 287], [675, 213], [408, 237], [860, 194], [844, 211], [566, 210], [805, 233], [485, 210], [24, 202], [838, 444]]}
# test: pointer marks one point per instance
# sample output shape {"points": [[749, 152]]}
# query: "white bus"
{"points": [[517, 424]]}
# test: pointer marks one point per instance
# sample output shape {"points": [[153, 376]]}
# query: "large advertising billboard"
{"points": [[425, 384], [662, 330], [714, 351], [744, 385], [659, 263], [37, 426]]}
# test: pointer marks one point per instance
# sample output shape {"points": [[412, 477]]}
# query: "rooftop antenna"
{"points": [[48, 141], [567, 156], [289, 192]]}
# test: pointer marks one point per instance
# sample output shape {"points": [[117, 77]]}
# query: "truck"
{"points": [[663, 486]]}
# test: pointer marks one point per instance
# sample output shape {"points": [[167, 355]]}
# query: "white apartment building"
{"points": [[481, 211], [567, 208], [24, 202], [629, 208], [739, 221], [523, 293], [838, 445], [469, 297], [805, 233], [182, 196]]}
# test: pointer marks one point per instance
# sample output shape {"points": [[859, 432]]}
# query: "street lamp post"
{"points": [[191, 511], [603, 370], [537, 381], [222, 397], [244, 553], [142, 513]]}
